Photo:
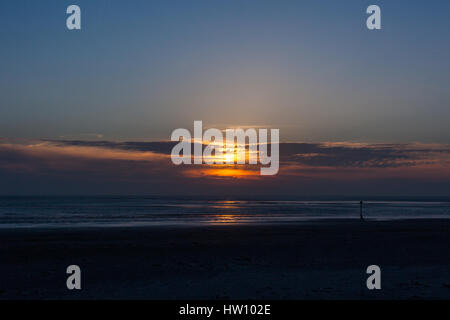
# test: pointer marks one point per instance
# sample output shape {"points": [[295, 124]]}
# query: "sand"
{"points": [[309, 260]]}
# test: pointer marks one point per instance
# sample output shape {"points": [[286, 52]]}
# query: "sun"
{"points": [[229, 157]]}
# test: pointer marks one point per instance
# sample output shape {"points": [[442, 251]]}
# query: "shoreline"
{"points": [[205, 224]]}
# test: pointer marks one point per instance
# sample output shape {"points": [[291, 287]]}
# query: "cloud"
{"points": [[92, 167], [362, 155], [311, 154], [163, 147]]}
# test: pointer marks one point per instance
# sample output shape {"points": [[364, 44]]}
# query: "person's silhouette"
{"points": [[361, 210]]}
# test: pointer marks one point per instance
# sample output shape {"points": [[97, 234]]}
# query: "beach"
{"points": [[303, 260]]}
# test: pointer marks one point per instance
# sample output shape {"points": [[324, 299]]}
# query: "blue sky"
{"points": [[360, 112], [139, 69]]}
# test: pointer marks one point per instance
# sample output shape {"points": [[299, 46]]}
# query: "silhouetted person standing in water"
{"points": [[360, 210]]}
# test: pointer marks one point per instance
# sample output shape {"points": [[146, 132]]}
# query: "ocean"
{"points": [[73, 212]]}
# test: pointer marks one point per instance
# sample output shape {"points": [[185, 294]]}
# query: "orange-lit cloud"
{"points": [[145, 167]]}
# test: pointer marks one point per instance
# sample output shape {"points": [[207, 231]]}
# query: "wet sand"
{"points": [[309, 260]]}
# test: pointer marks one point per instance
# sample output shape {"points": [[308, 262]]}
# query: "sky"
{"points": [[140, 69]]}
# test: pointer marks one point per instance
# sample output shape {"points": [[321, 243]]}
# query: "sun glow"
{"points": [[225, 171], [229, 154], [212, 148], [224, 162]]}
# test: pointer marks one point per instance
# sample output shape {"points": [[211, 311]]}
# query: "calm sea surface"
{"points": [[135, 211]]}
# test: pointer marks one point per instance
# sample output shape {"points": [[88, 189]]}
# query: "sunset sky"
{"points": [[91, 111]]}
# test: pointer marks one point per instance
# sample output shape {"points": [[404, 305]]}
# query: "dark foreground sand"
{"points": [[314, 260]]}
